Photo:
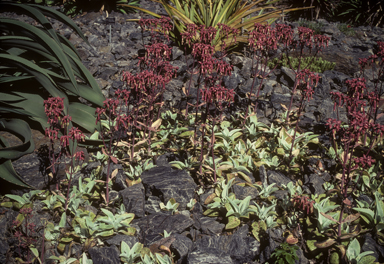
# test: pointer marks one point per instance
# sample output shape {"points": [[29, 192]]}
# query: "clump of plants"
{"points": [[315, 26], [314, 64], [346, 29], [219, 149], [286, 254]]}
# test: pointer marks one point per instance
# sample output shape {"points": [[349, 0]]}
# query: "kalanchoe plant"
{"points": [[219, 197], [237, 209], [355, 255], [266, 189], [360, 135], [147, 87], [116, 126], [26, 237], [129, 255], [111, 223], [69, 138], [171, 206], [25, 200]]}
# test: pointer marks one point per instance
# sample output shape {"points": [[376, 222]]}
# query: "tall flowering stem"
{"points": [[198, 39], [53, 108], [60, 125], [306, 80], [119, 123], [70, 141], [264, 39], [307, 43], [147, 86], [215, 96]]}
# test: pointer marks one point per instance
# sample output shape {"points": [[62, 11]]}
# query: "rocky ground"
{"points": [[198, 239]]}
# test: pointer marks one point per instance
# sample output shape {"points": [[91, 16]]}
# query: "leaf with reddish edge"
{"points": [[325, 244], [292, 240], [114, 160], [233, 222], [347, 236], [147, 127], [329, 217], [351, 218], [343, 251], [114, 173], [210, 198], [347, 202]]}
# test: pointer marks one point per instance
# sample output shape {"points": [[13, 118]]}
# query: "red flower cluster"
{"points": [[217, 94], [306, 80], [303, 203]]}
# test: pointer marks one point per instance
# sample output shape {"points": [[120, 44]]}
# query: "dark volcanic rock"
{"points": [[166, 183], [133, 199], [105, 255]]}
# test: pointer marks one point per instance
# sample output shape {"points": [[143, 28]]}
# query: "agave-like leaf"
{"points": [[32, 12], [39, 36], [62, 18], [21, 129], [40, 74], [56, 68]]}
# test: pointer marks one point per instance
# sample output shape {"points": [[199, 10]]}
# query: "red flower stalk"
{"points": [[25, 238], [362, 110], [215, 95], [303, 202], [305, 80]]}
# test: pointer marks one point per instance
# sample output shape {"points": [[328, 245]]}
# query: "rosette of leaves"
{"points": [[110, 223], [216, 202], [171, 206], [138, 251], [235, 14], [35, 63], [237, 209], [57, 234], [322, 228], [22, 201], [278, 146], [85, 229]]}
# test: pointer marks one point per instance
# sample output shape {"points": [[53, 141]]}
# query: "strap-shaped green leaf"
{"points": [[39, 36], [40, 74], [60, 17], [20, 129], [32, 12]]}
